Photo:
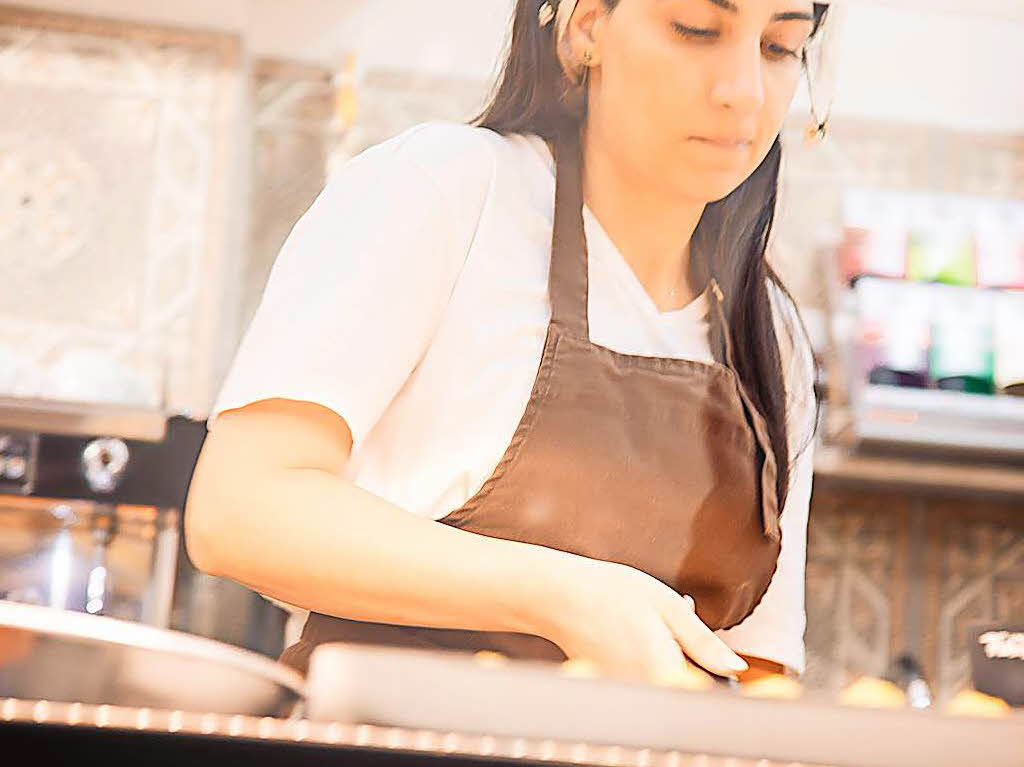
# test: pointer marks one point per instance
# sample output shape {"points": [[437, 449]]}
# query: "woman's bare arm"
{"points": [[268, 507]]}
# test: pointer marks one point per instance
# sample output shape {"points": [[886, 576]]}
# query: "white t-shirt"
{"points": [[411, 299]]}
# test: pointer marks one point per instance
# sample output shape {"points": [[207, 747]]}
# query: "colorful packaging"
{"points": [[999, 244], [940, 245], [962, 355], [875, 237], [895, 330], [1009, 342]]}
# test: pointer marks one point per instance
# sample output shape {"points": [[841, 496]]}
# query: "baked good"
{"points": [[778, 686], [873, 693], [974, 703]]}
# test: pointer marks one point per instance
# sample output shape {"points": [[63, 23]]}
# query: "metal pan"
{"points": [[420, 690], [48, 654]]}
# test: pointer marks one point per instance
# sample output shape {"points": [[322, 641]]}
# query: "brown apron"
{"points": [[657, 463]]}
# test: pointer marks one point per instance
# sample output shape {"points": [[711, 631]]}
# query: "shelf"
{"points": [[82, 419], [843, 464], [939, 418]]}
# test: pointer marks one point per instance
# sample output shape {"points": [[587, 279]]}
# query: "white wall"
{"points": [[449, 37], [463, 38], [924, 65], [941, 62]]}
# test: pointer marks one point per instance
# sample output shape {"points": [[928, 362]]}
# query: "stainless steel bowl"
{"points": [[48, 654]]}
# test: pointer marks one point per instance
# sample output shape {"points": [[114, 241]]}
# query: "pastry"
{"points": [[777, 686], [974, 703], [873, 693]]}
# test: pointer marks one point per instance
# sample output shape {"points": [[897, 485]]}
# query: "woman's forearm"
{"points": [[314, 540]]}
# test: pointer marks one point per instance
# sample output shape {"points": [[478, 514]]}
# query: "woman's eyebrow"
{"points": [[786, 16]]}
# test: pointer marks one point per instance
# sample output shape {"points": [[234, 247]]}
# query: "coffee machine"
{"points": [[90, 506], [91, 511]]}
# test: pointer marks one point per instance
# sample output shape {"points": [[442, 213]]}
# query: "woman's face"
{"points": [[673, 79]]}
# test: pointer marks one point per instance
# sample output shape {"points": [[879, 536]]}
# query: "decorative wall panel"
{"points": [[114, 166], [391, 101], [292, 107], [889, 573], [297, 137]]}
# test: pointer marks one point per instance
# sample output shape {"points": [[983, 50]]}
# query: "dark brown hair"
{"points": [[533, 95]]}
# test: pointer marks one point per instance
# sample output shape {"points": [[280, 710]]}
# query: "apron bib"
{"points": [[661, 464]]}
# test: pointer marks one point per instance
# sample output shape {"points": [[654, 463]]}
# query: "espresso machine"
{"points": [[90, 506]]}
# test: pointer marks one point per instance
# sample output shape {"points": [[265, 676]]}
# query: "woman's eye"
{"points": [[696, 33], [693, 32], [780, 51]]}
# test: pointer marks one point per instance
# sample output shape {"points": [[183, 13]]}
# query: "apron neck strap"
{"points": [[568, 278], [718, 300]]}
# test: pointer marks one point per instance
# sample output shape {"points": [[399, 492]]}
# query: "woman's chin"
{"points": [[711, 186]]}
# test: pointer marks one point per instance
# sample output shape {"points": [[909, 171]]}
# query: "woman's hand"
{"points": [[630, 624]]}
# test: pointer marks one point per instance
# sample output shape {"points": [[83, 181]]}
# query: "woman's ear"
{"points": [[581, 46]]}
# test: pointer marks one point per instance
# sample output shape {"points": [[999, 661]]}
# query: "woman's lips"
{"points": [[733, 145]]}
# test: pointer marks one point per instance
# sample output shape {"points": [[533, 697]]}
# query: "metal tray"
{"points": [[450, 692], [56, 655]]}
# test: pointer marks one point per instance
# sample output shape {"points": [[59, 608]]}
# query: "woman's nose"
{"points": [[736, 80]]}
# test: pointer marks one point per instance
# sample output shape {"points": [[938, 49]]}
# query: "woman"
{"points": [[555, 332]]}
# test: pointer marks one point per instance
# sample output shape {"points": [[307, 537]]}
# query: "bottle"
{"points": [[940, 245], [999, 244], [895, 331], [874, 238], [905, 672], [1009, 345], [962, 354]]}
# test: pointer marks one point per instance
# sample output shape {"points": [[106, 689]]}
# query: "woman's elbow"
{"points": [[208, 522]]}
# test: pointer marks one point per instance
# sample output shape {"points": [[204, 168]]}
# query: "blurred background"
{"points": [[153, 157]]}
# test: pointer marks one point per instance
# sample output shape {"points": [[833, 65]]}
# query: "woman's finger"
{"points": [[699, 642], [666, 662]]}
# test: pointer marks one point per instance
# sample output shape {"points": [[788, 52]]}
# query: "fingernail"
{"points": [[736, 663]]}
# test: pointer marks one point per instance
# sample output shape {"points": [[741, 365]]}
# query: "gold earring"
{"points": [[816, 132], [587, 58], [817, 129]]}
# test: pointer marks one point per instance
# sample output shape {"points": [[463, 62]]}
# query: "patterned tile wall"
{"points": [[891, 573], [296, 139], [292, 108], [115, 176], [392, 101]]}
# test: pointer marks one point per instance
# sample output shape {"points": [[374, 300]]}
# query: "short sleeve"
{"points": [[775, 629], [361, 282]]}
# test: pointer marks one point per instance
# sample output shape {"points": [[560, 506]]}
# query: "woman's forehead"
{"points": [[777, 8]]}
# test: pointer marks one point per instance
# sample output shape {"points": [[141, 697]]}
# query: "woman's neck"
{"points": [[651, 230]]}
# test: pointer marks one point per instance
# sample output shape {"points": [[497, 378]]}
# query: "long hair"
{"points": [[533, 95]]}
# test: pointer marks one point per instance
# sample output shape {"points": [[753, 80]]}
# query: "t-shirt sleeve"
{"points": [[775, 629], [361, 282]]}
